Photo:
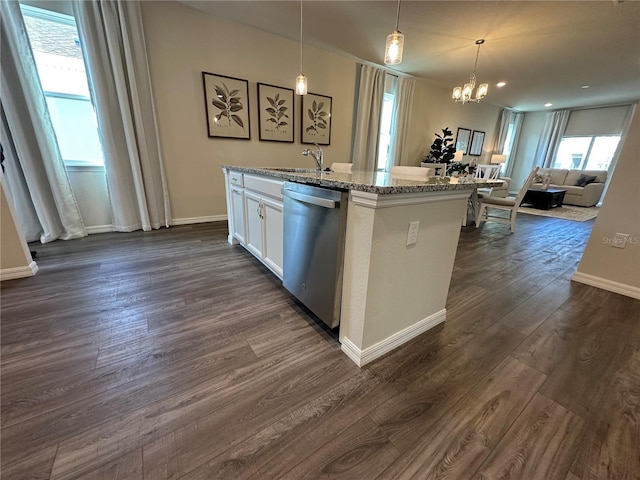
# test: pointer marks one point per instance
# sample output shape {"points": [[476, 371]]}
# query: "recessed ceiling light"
{"points": [[585, 86], [501, 84], [548, 104]]}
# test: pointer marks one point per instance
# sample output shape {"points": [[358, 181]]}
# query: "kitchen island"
{"points": [[399, 246]]}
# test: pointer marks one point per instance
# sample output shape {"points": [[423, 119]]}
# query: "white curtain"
{"points": [[114, 50], [38, 178], [555, 124], [369, 109], [507, 118], [400, 121]]}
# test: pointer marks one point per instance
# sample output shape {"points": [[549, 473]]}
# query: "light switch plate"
{"points": [[412, 236]]}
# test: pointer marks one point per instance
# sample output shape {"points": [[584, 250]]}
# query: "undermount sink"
{"points": [[292, 170]]}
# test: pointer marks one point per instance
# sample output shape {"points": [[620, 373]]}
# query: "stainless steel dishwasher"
{"points": [[315, 221]]}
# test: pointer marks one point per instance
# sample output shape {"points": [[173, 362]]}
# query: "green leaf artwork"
{"points": [[277, 111], [228, 103], [318, 118]]}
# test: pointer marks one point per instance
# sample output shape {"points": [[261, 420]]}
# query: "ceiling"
{"points": [[545, 51]]}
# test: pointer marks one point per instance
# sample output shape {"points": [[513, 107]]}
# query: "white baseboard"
{"points": [[369, 354], [191, 220], [609, 285], [19, 272], [99, 229]]}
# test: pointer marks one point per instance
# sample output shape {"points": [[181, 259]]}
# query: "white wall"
{"points": [[15, 259], [433, 109], [602, 265], [532, 124], [182, 42]]}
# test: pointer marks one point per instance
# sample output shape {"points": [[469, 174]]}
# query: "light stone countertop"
{"points": [[372, 182]]}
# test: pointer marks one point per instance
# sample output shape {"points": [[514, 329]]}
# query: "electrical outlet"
{"points": [[620, 240], [412, 236]]}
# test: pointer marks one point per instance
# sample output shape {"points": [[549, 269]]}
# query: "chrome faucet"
{"points": [[318, 156]]}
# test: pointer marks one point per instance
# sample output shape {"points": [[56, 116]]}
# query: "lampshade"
{"points": [[498, 158], [301, 80], [301, 85], [395, 44], [457, 157], [393, 48]]}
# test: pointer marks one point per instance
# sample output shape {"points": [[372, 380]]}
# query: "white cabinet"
{"points": [[234, 182], [254, 217], [272, 248], [237, 214], [254, 210]]}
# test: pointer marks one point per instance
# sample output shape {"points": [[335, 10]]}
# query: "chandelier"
{"points": [[465, 94]]}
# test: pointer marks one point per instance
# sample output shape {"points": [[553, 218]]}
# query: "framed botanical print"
{"points": [[227, 106], [316, 119], [477, 140], [275, 113], [462, 140]]}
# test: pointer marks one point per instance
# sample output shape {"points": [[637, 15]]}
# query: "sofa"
{"points": [[584, 187]]}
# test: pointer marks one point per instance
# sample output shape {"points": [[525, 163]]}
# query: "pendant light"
{"points": [[465, 94], [301, 80], [395, 44]]}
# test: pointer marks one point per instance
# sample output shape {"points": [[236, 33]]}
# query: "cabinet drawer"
{"points": [[267, 186], [236, 179]]}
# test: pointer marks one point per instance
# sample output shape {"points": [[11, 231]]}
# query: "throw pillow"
{"points": [[585, 180]]}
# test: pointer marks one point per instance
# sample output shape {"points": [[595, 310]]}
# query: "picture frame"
{"points": [[275, 113], [315, 126], [227, 106], [462, 140], [477, 140]]}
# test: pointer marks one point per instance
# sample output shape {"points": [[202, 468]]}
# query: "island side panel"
{"points": [[391, 291]]}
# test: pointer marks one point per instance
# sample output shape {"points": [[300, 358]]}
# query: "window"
{"points": [[586, 152], [384, 141], [56, 49]]}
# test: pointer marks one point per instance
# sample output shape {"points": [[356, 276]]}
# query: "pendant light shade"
{"points": [[393, 48], [395, 44], [301, 80], [301, 85]]}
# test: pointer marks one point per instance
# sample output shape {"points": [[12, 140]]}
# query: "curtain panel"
{"points": [[400, 121], [38, 181], [555, 124], [114, 50], [368, 112]]}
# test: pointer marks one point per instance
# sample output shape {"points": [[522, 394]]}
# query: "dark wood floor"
{"points": [[173, 355]]}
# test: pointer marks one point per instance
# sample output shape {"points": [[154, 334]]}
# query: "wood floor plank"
{"points": [[277, 448], [551, 342], [583, 376], [473, 427], [127, 467], [103, 443], [611, 447], [175, 454], [408, 416], [540, 445], [360, 451], [36, 466]]}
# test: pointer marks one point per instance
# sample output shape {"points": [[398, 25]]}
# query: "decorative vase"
{"points": [[546, 181]]}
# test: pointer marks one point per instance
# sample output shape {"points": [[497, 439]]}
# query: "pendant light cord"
{"points": [[301, 64], [398, 16]]}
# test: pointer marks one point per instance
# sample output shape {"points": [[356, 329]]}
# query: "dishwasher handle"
{"points": [[320, 202]]}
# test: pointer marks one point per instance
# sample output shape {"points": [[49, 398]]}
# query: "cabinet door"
{"points": [[273, 234], [253, 217], [237, 211]]}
